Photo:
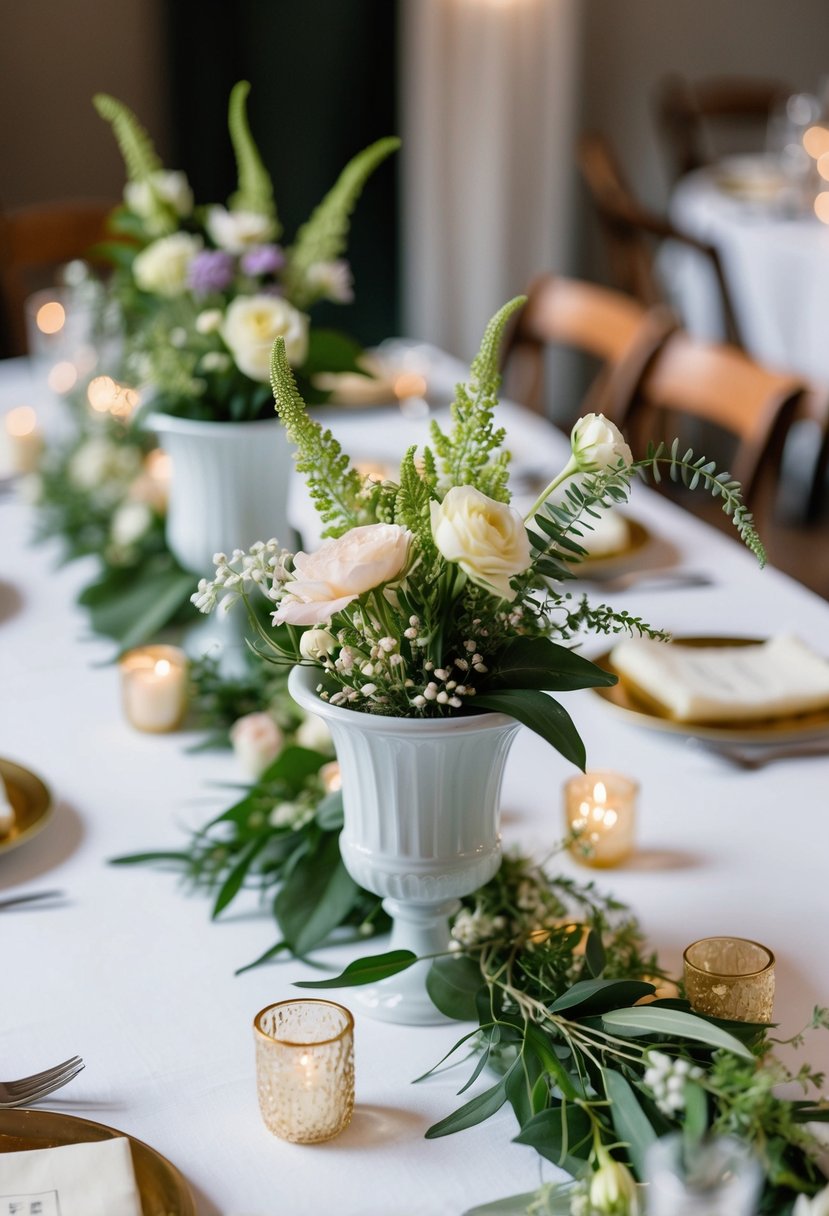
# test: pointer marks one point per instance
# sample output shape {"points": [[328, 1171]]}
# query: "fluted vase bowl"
{"points": [[229, 488], [421, 798]]}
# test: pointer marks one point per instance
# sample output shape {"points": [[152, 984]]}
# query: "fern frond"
{"points": [[691, 472], [323, 237], [333, 484], [140, 157], [470, 452], [561, 523], [255, 191], [412, 508]]}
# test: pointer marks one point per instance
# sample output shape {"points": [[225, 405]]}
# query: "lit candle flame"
{"points": [[162, 668]]}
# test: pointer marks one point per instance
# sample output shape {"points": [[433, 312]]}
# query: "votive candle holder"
{"points": [[600, 817], [730, 977], [305, 1069], [154, 687]]}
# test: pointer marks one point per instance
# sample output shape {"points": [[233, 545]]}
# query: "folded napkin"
{"points": [[72, 1180], [6, 815], [774, 679]]}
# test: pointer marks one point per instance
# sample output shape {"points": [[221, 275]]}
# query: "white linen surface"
{"points": [[132, 975], [71, 1180], [726, 683]]}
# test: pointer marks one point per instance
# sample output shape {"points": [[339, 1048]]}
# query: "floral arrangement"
{"points": [[433, 596], [204, 291]]}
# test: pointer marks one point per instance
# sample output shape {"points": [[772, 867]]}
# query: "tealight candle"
{"points": [[22, 440], [305, 1069], [154, 687], [600, 811], [731, 978]]}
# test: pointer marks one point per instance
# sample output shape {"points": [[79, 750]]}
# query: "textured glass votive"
{"points": [[305, 1069], [730, 977], [154, 685], [600, 811]]}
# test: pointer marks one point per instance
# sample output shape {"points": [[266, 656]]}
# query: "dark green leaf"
{"points": [[522, 1082], [331, 351], [293, 765], [541, 714], [563, 1134], [655, 1020], [233, 883], [475, 1111], [596, 996], [133, 611], [696, 1111], [594, 954], [630, 1121], [366, 971], [541, 663], [279, 948], [316, 897], [329, 812], [453, 984], [138, 859]]}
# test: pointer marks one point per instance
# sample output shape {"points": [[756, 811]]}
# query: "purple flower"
{"points": [[263, 259], [210, 271]]}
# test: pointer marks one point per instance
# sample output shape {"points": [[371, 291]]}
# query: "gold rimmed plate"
{"points": [[30, 800], [640, 709], [162, 1188]]}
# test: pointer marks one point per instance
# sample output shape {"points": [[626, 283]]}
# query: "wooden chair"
{"points": [[610, 327], [37, 239], [632, 233], [690, 116], [723, 386]]}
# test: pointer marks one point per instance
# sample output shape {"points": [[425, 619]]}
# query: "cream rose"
{"points": [[162, 267], [166, 186], [236, 231], [251, 325], [327, 581], [257, 741], [487, 539], [598, 444]]}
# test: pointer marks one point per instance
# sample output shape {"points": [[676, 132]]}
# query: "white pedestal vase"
{"points": [[229, 488], [421, 800]]}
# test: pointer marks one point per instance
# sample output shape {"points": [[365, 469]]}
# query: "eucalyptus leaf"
{"points": [[329, 812], [696, 1111], [293, 765], [475, 1111], [543, 664], [541, 714], [452, 984], [235, 880], [653, 1020], [594, 954], [562, 1133], [555, 1204], [316, 897], [138, 859], [366, 971], [588, 997], [630, 1121], [133, 611], [280, 948]]}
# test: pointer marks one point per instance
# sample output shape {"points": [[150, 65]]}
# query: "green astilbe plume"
{"points": [[470, 453], [333, 484], [323, 236], [255, 192], [140, 156]]}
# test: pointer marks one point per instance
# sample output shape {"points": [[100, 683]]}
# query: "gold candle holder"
{"points": [[600, 812], [154, 687], [730, 977], [305, 1069]]}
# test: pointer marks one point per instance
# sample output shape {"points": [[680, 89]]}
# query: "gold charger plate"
{"points": [[642, 710], [162, 1188], [31, 802]]}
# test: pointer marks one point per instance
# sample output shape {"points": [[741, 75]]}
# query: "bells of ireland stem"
{"points": [[613, 1190]]}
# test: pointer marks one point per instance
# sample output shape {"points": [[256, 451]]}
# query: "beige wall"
{"points": [[54, 54], [629, 44]]}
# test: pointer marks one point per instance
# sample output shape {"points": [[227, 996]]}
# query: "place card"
{"points": [[95, 1179]]}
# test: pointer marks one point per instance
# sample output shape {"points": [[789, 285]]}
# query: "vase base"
{"points": [[402, 999]]}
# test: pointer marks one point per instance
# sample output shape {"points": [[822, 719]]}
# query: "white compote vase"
{"points": [[421, 799], [229, 488]]}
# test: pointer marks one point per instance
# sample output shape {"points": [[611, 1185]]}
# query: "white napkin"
{"points": [[72, 1180], [725, 683], [6, 813]]}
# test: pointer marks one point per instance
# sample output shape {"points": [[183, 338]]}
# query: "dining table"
{"points": [[129, 971]]}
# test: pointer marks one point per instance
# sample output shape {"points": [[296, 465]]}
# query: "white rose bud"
{"points": [[487, 539], [598, 444], [317, 644], [613, 1190], [236, 231], [253, 323], [327, 581], [257, 741], [161, 268], [818, 1205]]}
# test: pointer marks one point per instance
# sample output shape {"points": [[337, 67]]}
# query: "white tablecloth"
{"points": [[777, 270], [131, 974]]}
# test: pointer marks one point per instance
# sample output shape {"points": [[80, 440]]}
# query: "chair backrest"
{"points": [[720, 385], [611, 327], [690, 114], [632, 233], [38, 238]]}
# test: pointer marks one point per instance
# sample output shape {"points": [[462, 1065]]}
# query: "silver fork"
{"points": [[651, 580], [28, 1089], [751, 758]]}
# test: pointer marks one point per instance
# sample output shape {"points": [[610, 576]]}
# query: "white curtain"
{"points": [[489, 90]]}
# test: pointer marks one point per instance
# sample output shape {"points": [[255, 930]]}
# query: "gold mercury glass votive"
{"points": [[305, 1069], [600, 811], [730, 977], [154, 687]]}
